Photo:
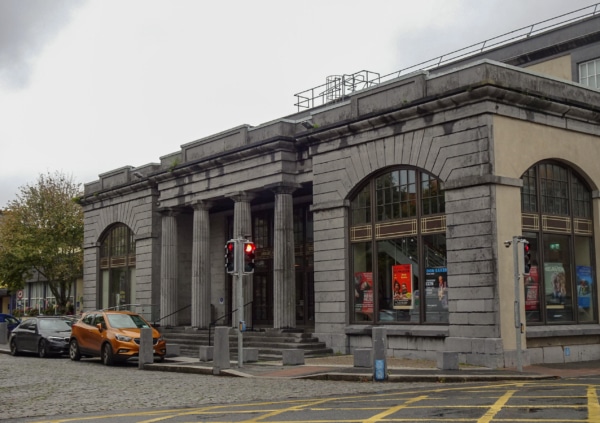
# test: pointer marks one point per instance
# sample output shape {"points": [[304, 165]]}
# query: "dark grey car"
{"points": [[42, 335]]}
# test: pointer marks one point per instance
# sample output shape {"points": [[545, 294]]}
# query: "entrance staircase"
{"points": [[269, 342]]}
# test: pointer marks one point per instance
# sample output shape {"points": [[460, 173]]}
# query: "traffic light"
{"points": [[525, 259], [230, 257], [249, 255]]}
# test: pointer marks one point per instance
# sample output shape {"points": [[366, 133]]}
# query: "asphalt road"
{"points": [[31, 387], [58, 390]]}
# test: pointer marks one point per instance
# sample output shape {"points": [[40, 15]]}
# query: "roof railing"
{"points": [[338, 87]]}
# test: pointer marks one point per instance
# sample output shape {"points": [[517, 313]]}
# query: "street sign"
{"points": [[20, 294]]}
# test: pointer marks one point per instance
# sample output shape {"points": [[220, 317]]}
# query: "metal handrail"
{"points": [[317, 96], [214, 322], [175, 312]]}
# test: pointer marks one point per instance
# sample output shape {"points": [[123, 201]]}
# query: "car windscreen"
{"points": [[54, 324], [127, 321]]}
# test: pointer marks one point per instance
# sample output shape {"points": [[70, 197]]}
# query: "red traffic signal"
{"points": [[249, 255]]}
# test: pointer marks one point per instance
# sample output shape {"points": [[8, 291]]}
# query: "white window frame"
{"points": [[589, 73]]}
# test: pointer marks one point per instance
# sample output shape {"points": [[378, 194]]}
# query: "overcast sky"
{"points": [[87, 86]]}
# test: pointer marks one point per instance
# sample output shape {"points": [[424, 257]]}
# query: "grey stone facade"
{"points": [[452, 123]]}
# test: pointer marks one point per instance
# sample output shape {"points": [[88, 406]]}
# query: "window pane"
{"points": [[586, 291], [557, 278], [554, 191], [582, 204], [436, 279], [432, 196], [529, 192], [398, 271], [362, 282], [361, 207], [588, 73], [261, 231]]}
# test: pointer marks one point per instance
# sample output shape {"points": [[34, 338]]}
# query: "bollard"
{"points": [[146, 355], [221, 357], [206, 352], [379, 339]]}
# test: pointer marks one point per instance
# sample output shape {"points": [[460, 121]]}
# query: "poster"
{"points": [[532, 284], [402, 286], [436, 288], [555, 284], [584, 286], [363, 292]]}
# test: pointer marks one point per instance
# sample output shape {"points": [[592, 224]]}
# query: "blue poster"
{"points": [[584, 286]]}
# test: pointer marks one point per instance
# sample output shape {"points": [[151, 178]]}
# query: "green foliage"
{"points": [[42, 231]]}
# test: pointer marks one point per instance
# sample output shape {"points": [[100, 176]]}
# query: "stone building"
{"points": [[386, 206]]}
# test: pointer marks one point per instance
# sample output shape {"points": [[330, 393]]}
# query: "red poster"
{"points": [[363, 290], [402, 286], [532, 296]]}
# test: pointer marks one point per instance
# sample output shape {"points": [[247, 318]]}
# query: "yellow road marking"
{"points": [[495, 409], [294, 408], [392, 410], [593, 406]]}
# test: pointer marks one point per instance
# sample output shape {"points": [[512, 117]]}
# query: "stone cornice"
{"points": [[485, 80]]}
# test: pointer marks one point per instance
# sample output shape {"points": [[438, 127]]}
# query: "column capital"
{"points": [[170, 211], [202, 205], [242, 196], [283, 188]]}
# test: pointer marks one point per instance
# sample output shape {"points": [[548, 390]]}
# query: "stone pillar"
{"points": [[168, 269], [284, 275], [201, 283], [242, 227]]}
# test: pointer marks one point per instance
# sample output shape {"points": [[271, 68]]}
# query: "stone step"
{"points": [[269, 343]]}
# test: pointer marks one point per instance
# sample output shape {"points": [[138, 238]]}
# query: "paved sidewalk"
{"points": [[341, 368], [347, 372]]}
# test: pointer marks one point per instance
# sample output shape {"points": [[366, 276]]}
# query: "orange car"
{"points": [[112, 335]]}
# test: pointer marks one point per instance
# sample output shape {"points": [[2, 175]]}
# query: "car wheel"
{"points": [[42, 349], [107, 355], [13, 347], [74, 353]]}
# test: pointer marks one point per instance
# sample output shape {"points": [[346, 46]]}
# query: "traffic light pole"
{"points": [[239, 258], [239, 261], [518, 244]]}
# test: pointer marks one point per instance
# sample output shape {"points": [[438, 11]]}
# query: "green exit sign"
{"points": [[555, 247]]}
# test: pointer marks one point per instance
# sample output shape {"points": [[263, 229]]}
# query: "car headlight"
{"points": [[56, 339], [123, 338]]}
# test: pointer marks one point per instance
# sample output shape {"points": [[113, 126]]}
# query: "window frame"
{"points": [[117, 253], [545, 222], [370, 232], [596, 75]]}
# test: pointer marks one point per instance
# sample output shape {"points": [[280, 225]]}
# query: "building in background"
{"points": [[385, 201]]}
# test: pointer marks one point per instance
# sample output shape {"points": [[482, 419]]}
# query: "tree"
{"points": [[42, 231]]}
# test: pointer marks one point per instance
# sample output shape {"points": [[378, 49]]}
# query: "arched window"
{"points": [[117, 268], [557, 221], [398, 249]]}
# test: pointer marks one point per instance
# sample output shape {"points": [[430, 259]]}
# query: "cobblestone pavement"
{"points": [[34, 387]]}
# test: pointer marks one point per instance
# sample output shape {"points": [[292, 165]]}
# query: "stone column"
{"points": [[201, 283], [284, 275], [242, 227], [168, 269]]}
